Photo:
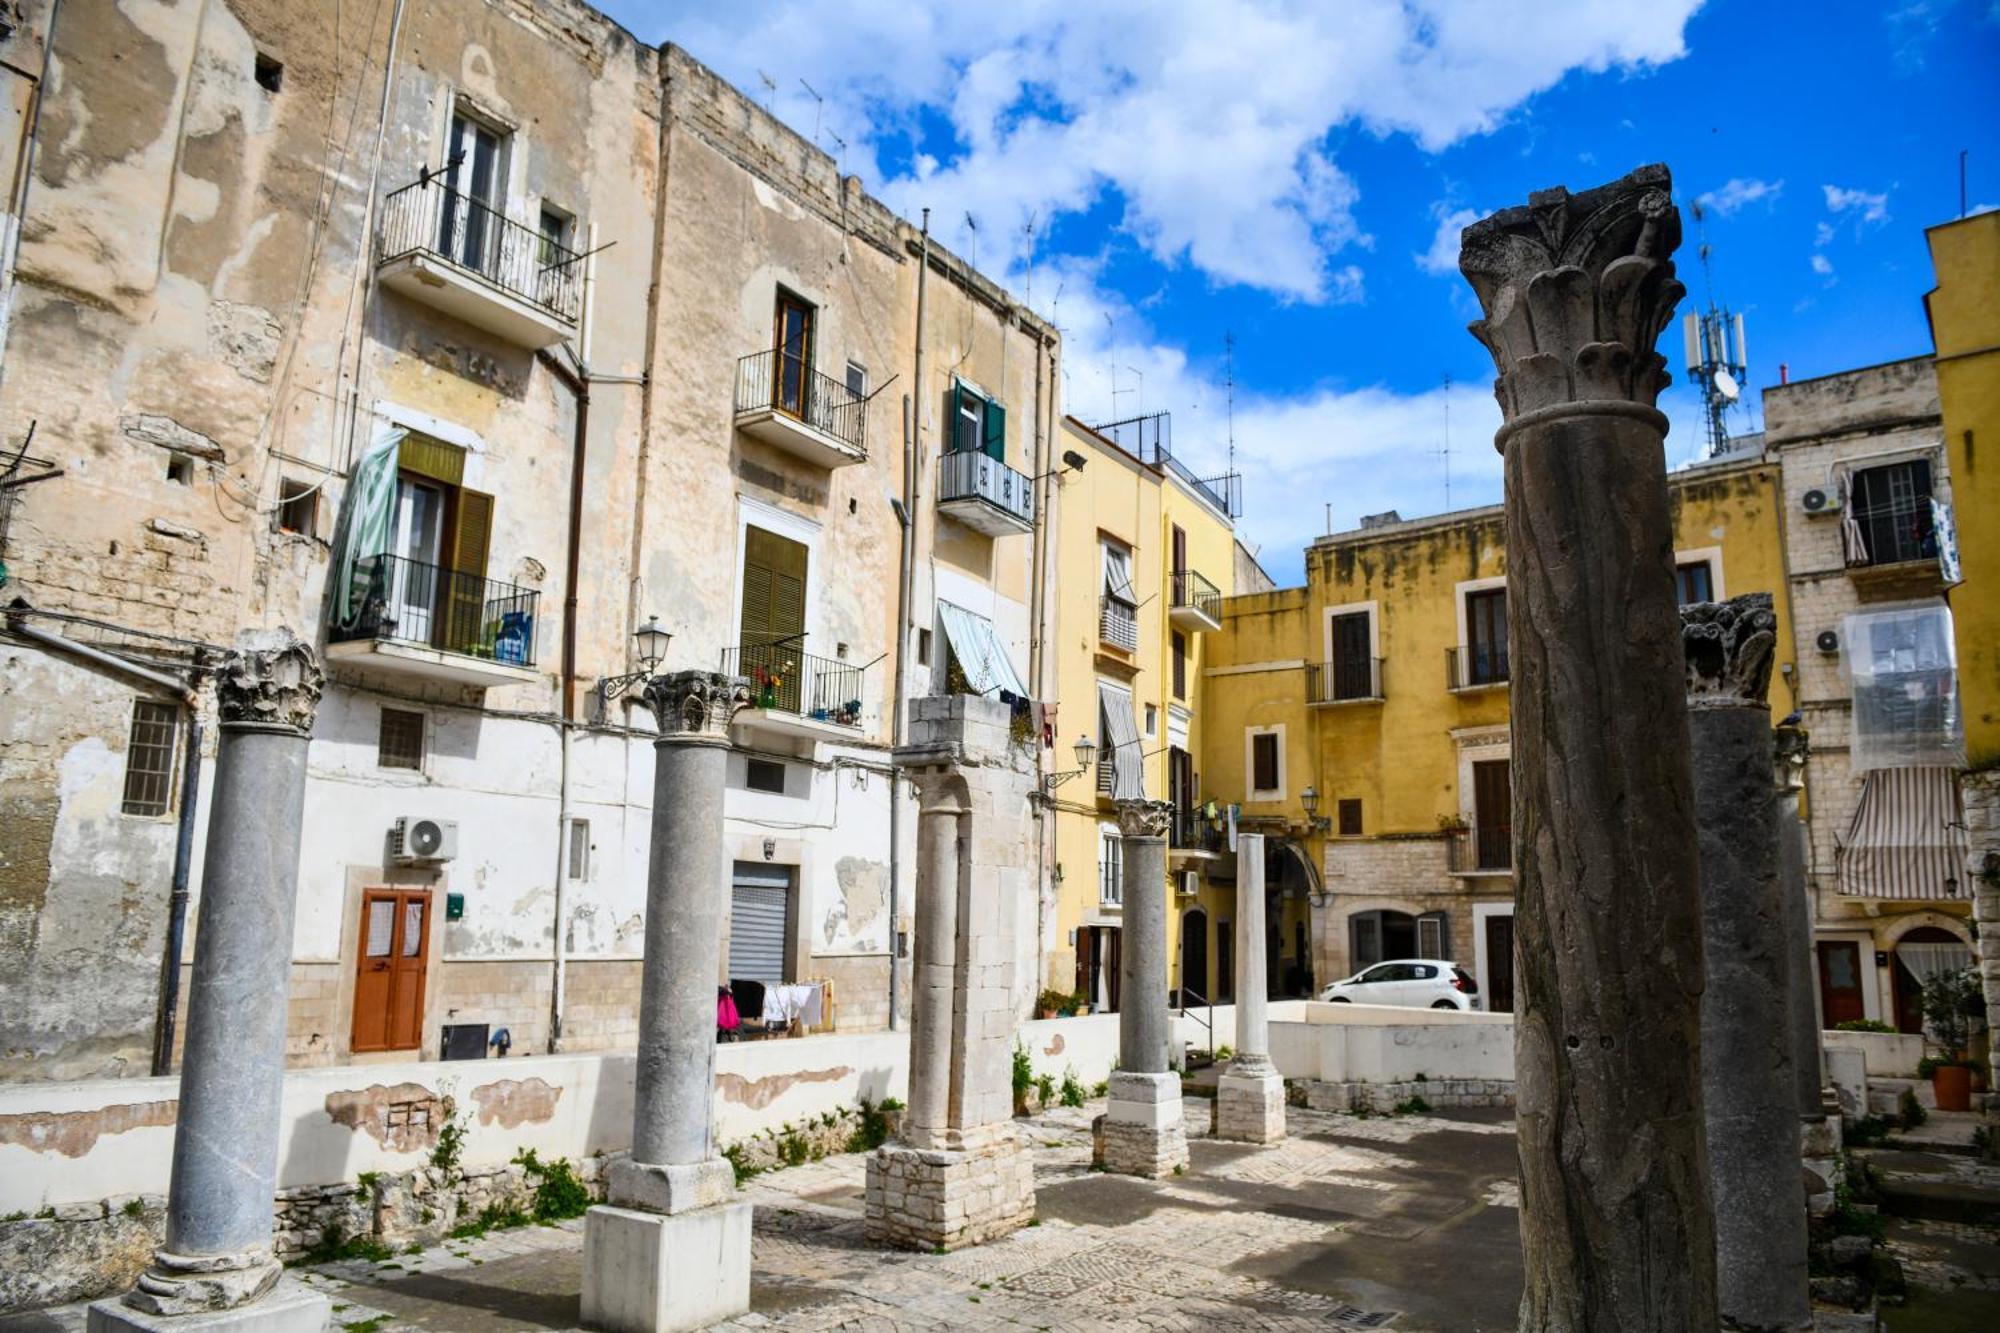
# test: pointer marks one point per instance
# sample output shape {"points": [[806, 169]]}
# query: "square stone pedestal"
{"points": [[929, 1198], [1250, 1107], [1141, 1133], [653, 1273], [286, 1308]]}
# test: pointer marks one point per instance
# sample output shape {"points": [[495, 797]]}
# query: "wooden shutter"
{"points": [[996, 431], [431, 458], [462, 628], [1180, 551]]}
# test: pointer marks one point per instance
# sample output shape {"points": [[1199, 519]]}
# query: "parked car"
{"points": [[1415, 983]]}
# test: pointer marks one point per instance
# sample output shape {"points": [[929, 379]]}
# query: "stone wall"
{"points": [[1384, 1098]]}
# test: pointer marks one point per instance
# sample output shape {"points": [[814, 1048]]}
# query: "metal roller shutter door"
{"points": [[759, 921]]}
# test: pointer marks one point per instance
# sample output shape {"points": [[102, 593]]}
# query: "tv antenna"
{"points": [[770, 88], [1716, 360], [1229, 388], [1445, 451], [819, 105]]}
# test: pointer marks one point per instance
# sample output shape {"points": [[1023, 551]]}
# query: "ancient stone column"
{"points": [[1141, 1132], [216, 1268], [1979, 794], [1615, 1223], [670, 1247], [1749, 1086], [1250, 1096], [960, 1174], [1819, 1131]]}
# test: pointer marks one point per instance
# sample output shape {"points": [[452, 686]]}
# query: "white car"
{"points": [[1414, 983]]}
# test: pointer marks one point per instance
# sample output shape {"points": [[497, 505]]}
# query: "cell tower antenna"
{"points": [[1229, 384], [1446, 450], [1717, 364]]}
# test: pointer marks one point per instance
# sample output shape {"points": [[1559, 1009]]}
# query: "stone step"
{"points": [[1941, 1187]]}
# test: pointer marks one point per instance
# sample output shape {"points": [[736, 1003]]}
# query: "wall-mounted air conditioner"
{"points": [[1188, 883], [415, 841], [1818, 501]]}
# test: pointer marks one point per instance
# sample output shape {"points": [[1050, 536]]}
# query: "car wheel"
{"points": [[1340, 999], [1444, 1004]]}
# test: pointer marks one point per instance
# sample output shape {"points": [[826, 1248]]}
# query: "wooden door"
{"points": [[793, 336], [1840, 998], [1194, 957], [1493, 814], [389, 982], [1500, 964], [1353, 668]]}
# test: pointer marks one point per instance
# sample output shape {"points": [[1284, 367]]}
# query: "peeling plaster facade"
{"points": [[200, 321]]}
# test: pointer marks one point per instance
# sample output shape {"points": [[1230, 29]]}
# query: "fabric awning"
{"points": [[981, 655], [1118, 575], [1121, 744], [1907, 837]]}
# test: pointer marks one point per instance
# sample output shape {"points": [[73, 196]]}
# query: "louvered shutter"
{"points": [[462, 628], [996, 431]]}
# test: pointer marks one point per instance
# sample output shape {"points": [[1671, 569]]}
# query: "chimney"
{"points": [[1784, 373]]}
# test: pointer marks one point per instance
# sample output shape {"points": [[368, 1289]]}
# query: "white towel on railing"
{"points": [[801, 1004]]}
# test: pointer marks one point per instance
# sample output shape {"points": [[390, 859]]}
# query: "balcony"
{"points": [[1192, 835], [457, 255], [1900, 548], [435, 624], [794, 693], [1480, 667], [1196, 604], [783, 401], [985, 494], [1485, 850], [1118, 624], [1353, 680]]}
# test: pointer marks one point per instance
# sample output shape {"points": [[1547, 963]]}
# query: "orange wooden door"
{"points": [[1840, 999], [389, 985]]}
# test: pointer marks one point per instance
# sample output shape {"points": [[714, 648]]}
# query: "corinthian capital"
{"points": [[1728, 646], [1145, 819], [696, 704], [1576, 289], [270, 680]]}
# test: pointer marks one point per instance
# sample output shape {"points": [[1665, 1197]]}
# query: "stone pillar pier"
{"points": [[1749, 1086], [1819, 1132], [1616, 1229], [1250, 1097], [1979, 793], [1141, 1133], [216, 1269], [670, 1247], [960, 1174]]}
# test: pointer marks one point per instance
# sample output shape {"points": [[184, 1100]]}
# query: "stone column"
{"points": [[1979, 795], [1819, 1129], [1141, 1132], [1749, 1085], [669, 1249], [216, 1268], [1250, 1097], [960, 1174], [1616, 1228]]}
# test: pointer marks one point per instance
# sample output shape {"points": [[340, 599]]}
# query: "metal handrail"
{"points": [[783, 677], [972, 475], [1483, 847], [1207, 1023], [408, 601], [1190, 588], [430, 217], [1344, 680], [782, 379], [1476, 665]]}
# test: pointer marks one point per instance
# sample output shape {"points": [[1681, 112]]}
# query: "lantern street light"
{"points": [[1086, 755], [1309, 798], [650, 647]]}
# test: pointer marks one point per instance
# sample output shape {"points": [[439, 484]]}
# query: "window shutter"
{"points": [[474, 533], [953, 401], [431, 458], [462, 627], [996, 431]]}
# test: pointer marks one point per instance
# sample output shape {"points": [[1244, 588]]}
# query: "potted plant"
{"points": [[1950, 1000], [1050, 1003]]}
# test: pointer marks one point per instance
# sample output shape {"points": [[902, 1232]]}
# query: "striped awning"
{"points": [[981, 655], [1907, 838]]}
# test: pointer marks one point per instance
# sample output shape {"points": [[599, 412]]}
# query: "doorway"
{"points": [[468, 225], [1097, 961], [1840, 999], [1500, 964], [1194, 957], [793, 338], [389, 982]]}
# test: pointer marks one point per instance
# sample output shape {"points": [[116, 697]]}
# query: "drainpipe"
{"points": [[177, 901], [913, 426]]}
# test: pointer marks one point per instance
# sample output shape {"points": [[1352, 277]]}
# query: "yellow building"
{"points": [[1361, 721], [1149, 553]]}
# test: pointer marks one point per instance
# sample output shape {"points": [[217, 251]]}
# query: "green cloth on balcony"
{"points": [[369, 524]]}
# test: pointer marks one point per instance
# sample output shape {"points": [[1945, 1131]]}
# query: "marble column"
{"points": [[1141, 1132], [1749, 1086], [216, 1268], [1250, 1096], [669, 1249], [1616, 1227], [960, 1175]]}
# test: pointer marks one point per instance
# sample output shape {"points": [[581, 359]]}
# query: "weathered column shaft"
{"points": [[934, 970], [1253, 1003], [1615, 1223], [1142, 983], [1802, 989], [1748, 1090]]}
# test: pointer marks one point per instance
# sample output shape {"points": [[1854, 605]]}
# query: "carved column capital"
{"points": [[1576, 289], [1728, 647], [1789, 747], [1145, 819], [696, 705], [270, 681]]}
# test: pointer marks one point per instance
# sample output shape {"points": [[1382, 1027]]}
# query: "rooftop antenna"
{"points": [[1229, 386], [842, 155], [770, 88], [1716, 361], [819, 105], [1446, 450]]}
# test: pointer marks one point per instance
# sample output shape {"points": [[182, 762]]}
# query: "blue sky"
{"points": [[1295, 174]]}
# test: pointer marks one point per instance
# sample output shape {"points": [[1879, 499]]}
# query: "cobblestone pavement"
{"points": [[1404, 1224]]}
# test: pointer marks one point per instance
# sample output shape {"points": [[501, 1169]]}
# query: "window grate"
{"points": [[149, 758], [400, 742]]}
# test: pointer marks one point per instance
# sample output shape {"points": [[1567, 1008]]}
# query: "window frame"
{"points": [[750, 771], [1251, 737], [1466, 591], [1343, 807], [1177, 650], [1710, 556], [1110, 866], [421, 751], [577, 850], [152, 715]]}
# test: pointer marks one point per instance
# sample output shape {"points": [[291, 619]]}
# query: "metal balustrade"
{"points": [[1190, 589], [428, 216], [782, 380], [968, 475], [407, 601], [1119, 624], [784, 677], [1487, 847], [1481, 664], [1348, 679]]}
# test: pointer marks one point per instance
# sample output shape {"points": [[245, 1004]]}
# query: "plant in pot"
{"points": [[1950, 1001], [1052, 1004]]}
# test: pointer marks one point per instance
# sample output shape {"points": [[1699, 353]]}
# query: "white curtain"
{"points": [[1927, 960]]}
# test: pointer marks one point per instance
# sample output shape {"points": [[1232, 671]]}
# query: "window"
{"points": [[180, 469], [1119, 623], [1110, 866], [1694, 582], [1152, 721], [1350, 817], [978, 423], [1430, 939], [923, 647], [1264, 762], [1486, 636], [399, 743], [557, 229], [1351, 670], [149, 758], [270, 74], [475, 174], [298, 506], [772, 640], [1889, 517], [764, 775], [792, 339], [1119, 751], [1180, 664], [1493, 814], [857, 379], [579, 849]]}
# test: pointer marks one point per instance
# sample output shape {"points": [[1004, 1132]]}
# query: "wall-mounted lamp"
{"points": [[1309, 798], [1086, 755], [649, 645]]}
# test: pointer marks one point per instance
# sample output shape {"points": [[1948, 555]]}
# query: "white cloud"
{"points": [[1866, 208], [1822, 265], [1441, 260], [1738, 191], [1823, 234]]}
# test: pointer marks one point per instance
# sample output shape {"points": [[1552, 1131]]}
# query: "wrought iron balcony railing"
{"points": [[1468, 668], [782, 380], [1892, 532], [1119, 624], [1487, 847], [406, 601], [1348, 679], [1192, 590], [785, 677], [1193, 831], [971, 475], [428, 216]]}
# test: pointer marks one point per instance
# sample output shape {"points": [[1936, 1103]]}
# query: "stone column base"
{"points": [[1250, 1107], [654, 1273], [1141, 1133], [286, 1308], [936, 1198]]}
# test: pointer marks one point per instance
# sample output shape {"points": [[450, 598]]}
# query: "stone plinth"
{"points": [[647, 1272], [941, 1198], [1250, 1107], [1250, 1098], [1141, 1132], [286, 1308]]}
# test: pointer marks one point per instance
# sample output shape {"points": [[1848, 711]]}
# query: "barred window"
{"points": [[149, 758], [400, 743]]}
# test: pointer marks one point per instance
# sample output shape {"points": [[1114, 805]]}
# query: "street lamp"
{"points": [[650, 646], [1086, 754], [1309, 798]]}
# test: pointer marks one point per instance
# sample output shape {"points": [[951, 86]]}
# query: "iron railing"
{"points": [[1487, 847], [1150, 440], [1192, 831], [1118, 623], [427, 216], [1347, 679], [1891, 532], [783, 380], [406, 601], [1192, 590], [968, 475], [1480, 664], [785, 677]]}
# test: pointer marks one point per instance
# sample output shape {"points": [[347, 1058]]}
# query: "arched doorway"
{"points": [[1288, 890], [1921, 954], [1374, 936], [1194, 957]]}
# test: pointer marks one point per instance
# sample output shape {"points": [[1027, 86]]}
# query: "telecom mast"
{"points": [[1716, 361]]}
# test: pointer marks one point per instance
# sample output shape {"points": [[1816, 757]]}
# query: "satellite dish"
{"points": [[1726, 385]]}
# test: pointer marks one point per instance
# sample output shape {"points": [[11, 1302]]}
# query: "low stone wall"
{"points": [[1883, 1054], [1383, 1098]]}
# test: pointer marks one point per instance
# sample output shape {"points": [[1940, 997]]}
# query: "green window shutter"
{"points": [[996, 430], [432, 458], [954, 399]]}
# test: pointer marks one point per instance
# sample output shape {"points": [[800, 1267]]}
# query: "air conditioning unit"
{"points": [[1188, 883], [1817, 501], [418, 842], [1827, 641]]}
